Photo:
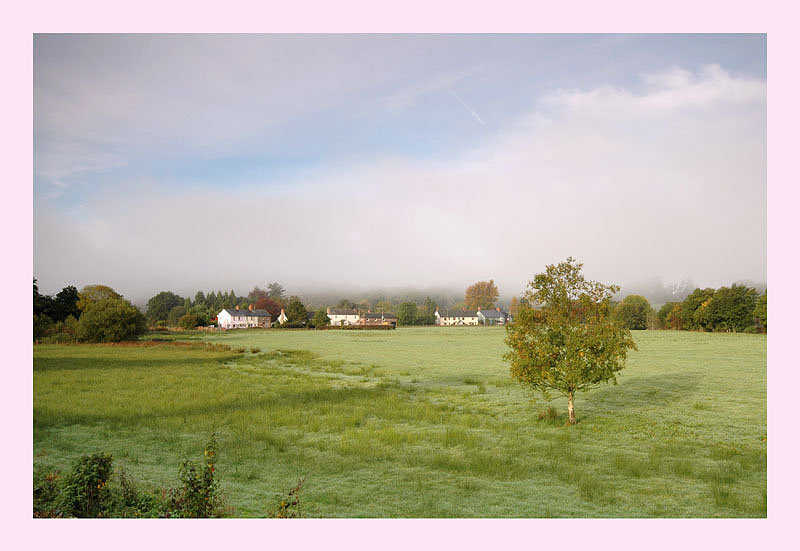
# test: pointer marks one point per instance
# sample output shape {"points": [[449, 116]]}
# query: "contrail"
{"points": [[470, 109]]}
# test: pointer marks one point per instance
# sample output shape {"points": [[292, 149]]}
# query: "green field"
{"points": [[418, 422]]}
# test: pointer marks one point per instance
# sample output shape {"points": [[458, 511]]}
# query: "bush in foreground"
{"points": [[93, 489], [110, 320]]}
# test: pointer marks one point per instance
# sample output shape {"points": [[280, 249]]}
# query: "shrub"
{"points": [[198, 495], [85, 493], [110, 320], [42, 325], [130, 502], [45, 495], [189, 321]]}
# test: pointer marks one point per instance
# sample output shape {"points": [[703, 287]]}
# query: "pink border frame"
{"points": [[771, 17]]}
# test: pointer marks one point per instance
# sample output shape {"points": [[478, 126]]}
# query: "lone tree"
{"points": [[481, 296], [564, 337]]}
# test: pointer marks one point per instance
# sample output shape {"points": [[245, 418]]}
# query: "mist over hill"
{"points": [[653, 289]]}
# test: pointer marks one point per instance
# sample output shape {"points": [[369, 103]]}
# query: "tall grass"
{"points": [[418, 423]]}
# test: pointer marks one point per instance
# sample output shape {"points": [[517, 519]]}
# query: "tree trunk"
{"points": [[570, 408]]}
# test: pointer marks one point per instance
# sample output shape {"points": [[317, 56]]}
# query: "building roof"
{"points": [[343, 312], [378, 315], [491, 314], [251, 313], [459, 314]]}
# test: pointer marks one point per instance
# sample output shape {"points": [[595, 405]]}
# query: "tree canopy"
{"points": [[94, 293], [57, 308], [760, 312], [159, 306], [276, 292], [320, 318], [481, 296], [564, 338], [270, 306], [633, 312], [176, 313], [406, 313], [296, 313], [728, 309], [110, 320]]}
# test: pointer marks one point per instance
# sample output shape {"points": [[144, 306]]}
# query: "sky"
{"points": [[207, 162]]}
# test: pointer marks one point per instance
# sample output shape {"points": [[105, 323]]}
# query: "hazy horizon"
{"points": [[211, 162]]}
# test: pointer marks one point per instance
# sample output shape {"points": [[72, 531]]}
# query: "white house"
{"points": [[343, 316], [234, 318], [456, 317], [282, 317], [491, 317]]}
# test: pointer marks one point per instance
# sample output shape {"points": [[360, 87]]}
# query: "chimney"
{"points": [[498, 308], [251, 308], [329, 310], [237, 306]]}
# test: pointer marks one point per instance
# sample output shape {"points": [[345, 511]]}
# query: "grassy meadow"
{"points": [[417, 422]]}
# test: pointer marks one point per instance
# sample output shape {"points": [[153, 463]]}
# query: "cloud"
{"points": [[666, 180]]}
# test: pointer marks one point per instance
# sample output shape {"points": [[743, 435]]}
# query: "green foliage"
{"points": [[633, 312], [131, 502], [189, 321], [95, 293], [42, 325], [481, 296], [566, 340], [66, 304], [426, 313], [85, 493], [675, 317], [663, 313], [276, 292], [760, 312], [46, 489], [198, 495], [406, 313], [690, 319], [345, 304], [160, 305], [110, 320], [729, 309], [57, 308], [296, 313], [320, 318], [176, 313]]}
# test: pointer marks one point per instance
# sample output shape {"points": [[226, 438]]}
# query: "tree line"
{"points": [[96, 313], [738, 308]]}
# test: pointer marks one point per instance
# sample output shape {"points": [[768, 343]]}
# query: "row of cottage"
{"points": [[235, 318]]}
